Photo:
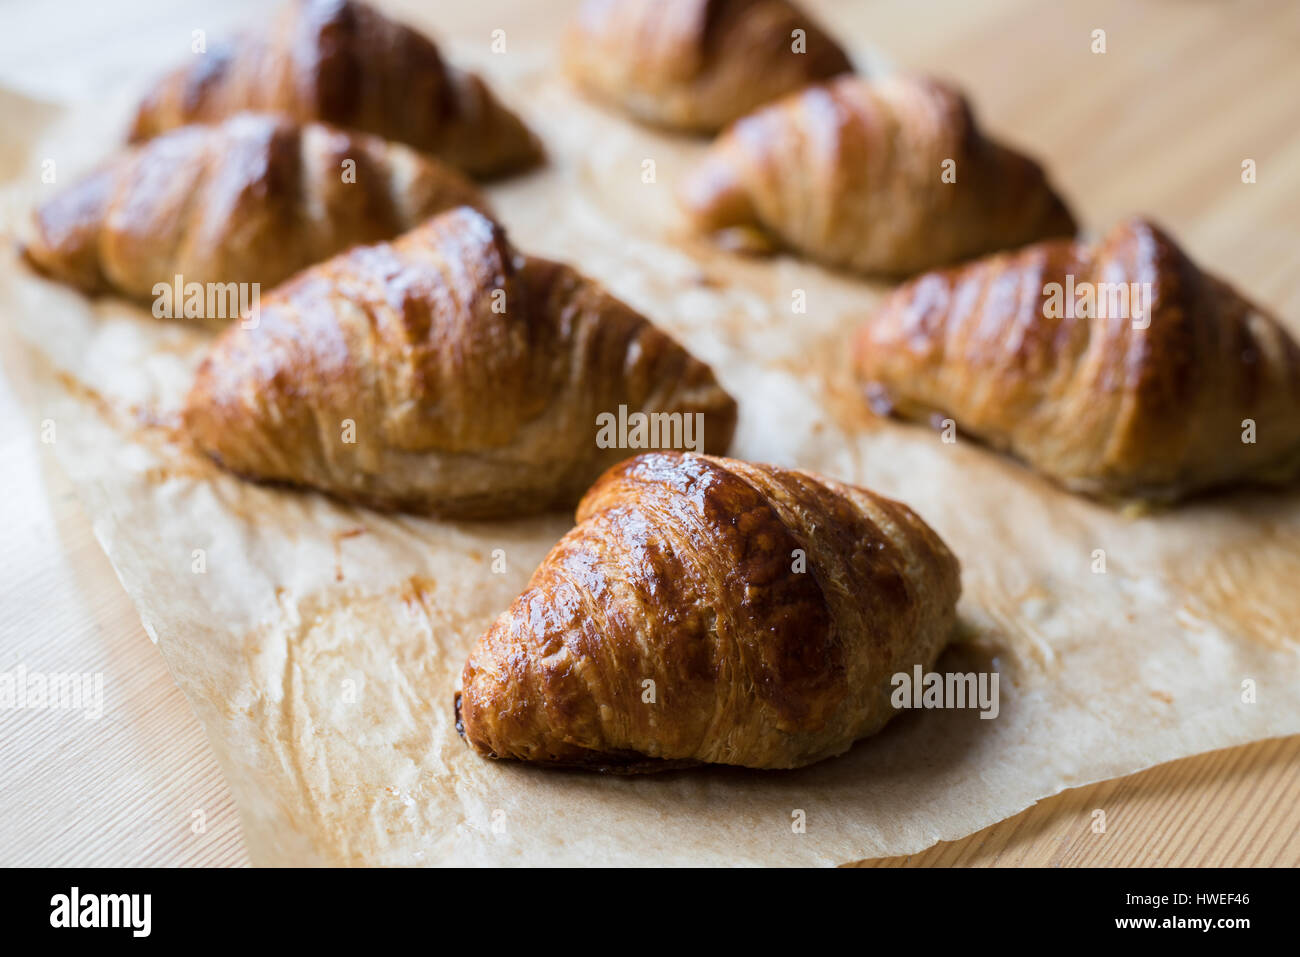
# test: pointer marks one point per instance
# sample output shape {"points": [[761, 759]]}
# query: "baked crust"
{"points": [[696, 65], [345, 63], [1125, 406], [854, 174], [442, 373], [251, 200], [685, 571]]}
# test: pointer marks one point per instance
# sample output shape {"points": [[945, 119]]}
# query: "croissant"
{"points": [[697, 64], [345, 63], [708, 610], [860, 174], [252, 200], [445, 373], [1120, 370]]}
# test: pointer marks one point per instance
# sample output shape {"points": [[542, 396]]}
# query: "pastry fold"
{"points": [[1119, 369], [708, 610], [696, 65], [251, 200], [343, 62], [445, 373], [885, 177]]}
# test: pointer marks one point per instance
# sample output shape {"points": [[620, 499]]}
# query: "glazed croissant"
{"points": [[445, 373], [1120, 370], [251, 200], [852, 174], [345, 63], [707, 610], [697, 64]]}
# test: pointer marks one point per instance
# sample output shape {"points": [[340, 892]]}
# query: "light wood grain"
{"points": [[1160, 124], [1232, 808], [138, 785]]}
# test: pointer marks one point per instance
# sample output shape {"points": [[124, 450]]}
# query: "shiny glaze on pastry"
{"points": [[696, 65], [443, 373], [852, 174], [1151, 403], [251, 200], [677, 623], [345, 63]]}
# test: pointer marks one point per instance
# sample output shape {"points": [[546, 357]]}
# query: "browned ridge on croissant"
{"points": [[697, 64], [1042, 352], [250, 200], [885, 177], [708, 610], [446, 373], [343, 62]]}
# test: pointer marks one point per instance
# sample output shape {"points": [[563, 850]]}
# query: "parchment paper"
{"points": [[320, 645]]}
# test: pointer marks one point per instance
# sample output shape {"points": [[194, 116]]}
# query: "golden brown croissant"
{"points": [[445, 373], [697, 64], [1119, 369], [853, 174], [345, 63], [678, 623], [251, 200]]}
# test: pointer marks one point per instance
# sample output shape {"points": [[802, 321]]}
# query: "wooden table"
{"points": [[1159, 123]]}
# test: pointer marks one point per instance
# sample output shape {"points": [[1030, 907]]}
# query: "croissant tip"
{"points": [[137, 133], [714, 199], [527, 159], [26, 255], [1063, 221], [70, 264]]}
